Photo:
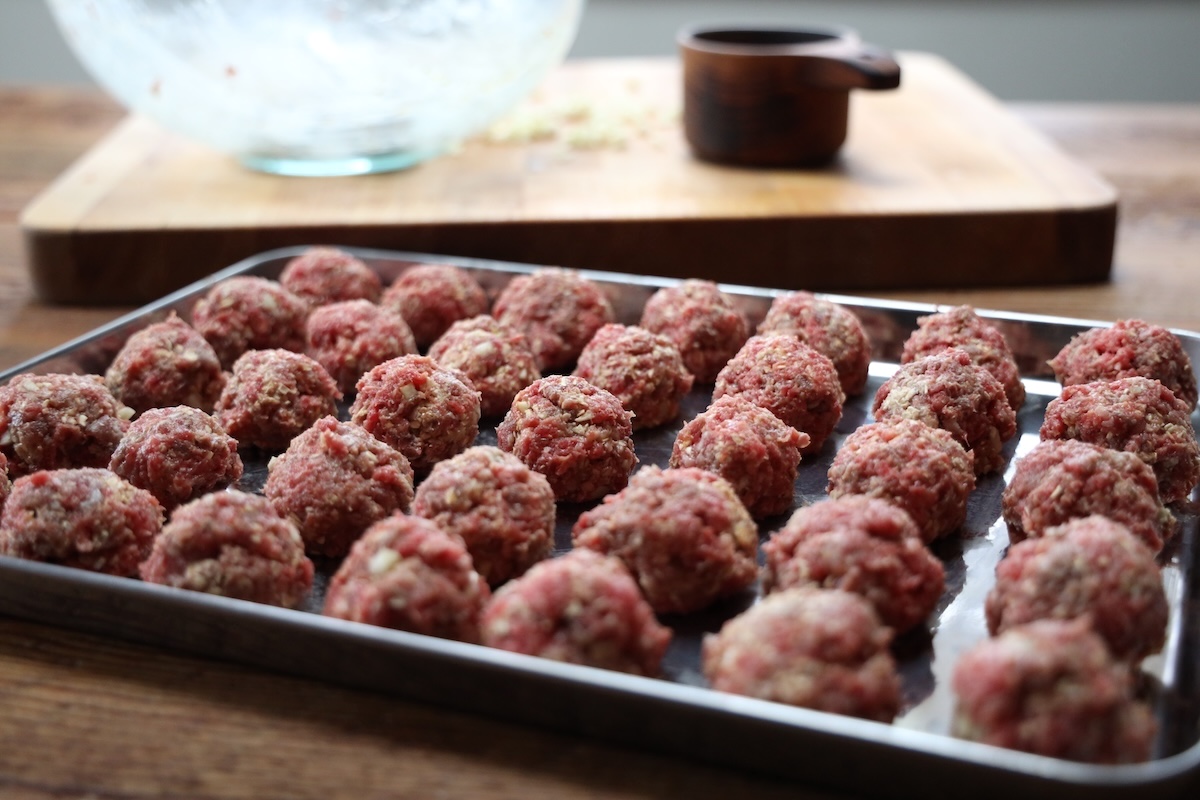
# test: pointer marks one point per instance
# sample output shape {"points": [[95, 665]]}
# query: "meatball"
{"points": [[334, 481], [432, 297], [55, 421], [273, 395], [496, 357], [823, 649], [558, 310], [324, 275], [350, 338], [961, 327], [407, 573], [791, 380], [582, 608], [576, 434], [1137, 415], [947, 390], [166, 364], [749, 447], [86, 518], [502, 509], [425, 411], [1051, 688], [643, 369], [177, 454], [249, 313], [921, 469], [683, 533], [1062, 479], [232, 544], [1128, 348], [831, 329], [703, 323]]}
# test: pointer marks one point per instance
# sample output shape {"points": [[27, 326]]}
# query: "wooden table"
{"points": [[86, 717]]}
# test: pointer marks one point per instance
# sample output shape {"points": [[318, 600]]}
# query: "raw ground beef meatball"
{"points": [[923, 470], [177, 454], [334, 481], [1051, 688], [496, 357], [232, 544], [683, 533], [328, 275], [859, 544], [823, 649], [829, 328], [249, 313], [947, 390], [576, 434], [581, 608], [166, 364], [425, 411], [86, 518], [749, 447], [432, 297], [1089, 567], [502, 509], [352, 337], [272, 396], [55, 421], [1129, 347], [961, 327], [408, 574], [1137, 415], [1062, 479], [643, 369], [703, 323], [557, 309], [791, 380]]}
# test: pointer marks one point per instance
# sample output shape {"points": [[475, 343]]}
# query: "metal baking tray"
{"points": [[677, 713]]}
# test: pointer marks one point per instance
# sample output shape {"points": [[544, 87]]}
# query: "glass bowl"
{"points": [[320, 87]]}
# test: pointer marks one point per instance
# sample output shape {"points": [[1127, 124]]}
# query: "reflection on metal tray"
{"points": [[677, 713]]}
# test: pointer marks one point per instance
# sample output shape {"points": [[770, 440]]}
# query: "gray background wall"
{"points": [[1084, 50]]}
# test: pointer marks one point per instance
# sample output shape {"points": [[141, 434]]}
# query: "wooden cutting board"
{"points": [[937, 185]]}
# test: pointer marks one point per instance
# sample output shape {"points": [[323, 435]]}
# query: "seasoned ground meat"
{"points": [[1051, 687], [921, 469], [166, 364], [425, 411], [791, 380], [409, 574], [1129, 347], [55, 421], [576, 434], [496, 357], [749, 447], [558, 310], [86, 518], [334, 481], [432, 297], [582, 608], [328, 275], [703, 323], [177, 454], [829, 328], [643, 369], [823, 649], [250, 313], [683, 533], [1062, 479], [1089, 567], [961, 327], [273, 395], [1137, 415], [232, 544], [947, 390], [352, 337]]}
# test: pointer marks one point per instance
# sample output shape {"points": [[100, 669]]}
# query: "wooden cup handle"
{"points": [[856, 66]]}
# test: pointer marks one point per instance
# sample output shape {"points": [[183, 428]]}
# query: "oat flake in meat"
{"points": [[166, 364], [702, 321], [246, 312], [323, 275], [432, 297], [830, 328], [559, 311], [350, 338], [496, 357], [643, 369], [961, 327], [274, 395]]}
